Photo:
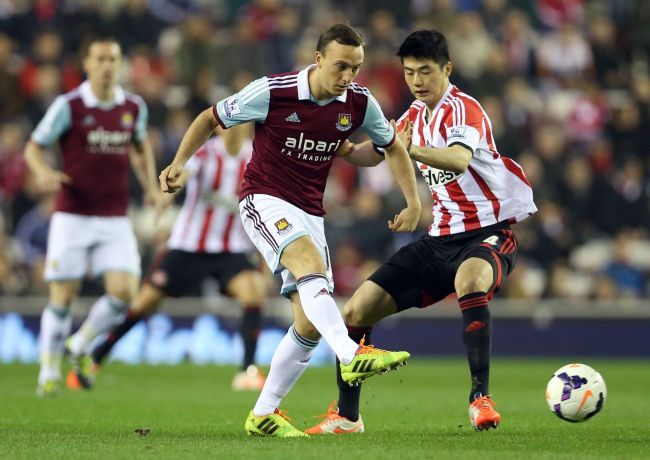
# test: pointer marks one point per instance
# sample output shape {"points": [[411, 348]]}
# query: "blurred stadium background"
{"points": [[566, 84]]}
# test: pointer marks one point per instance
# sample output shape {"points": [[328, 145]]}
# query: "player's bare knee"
{"points": [[354, 313], [466, 285]]}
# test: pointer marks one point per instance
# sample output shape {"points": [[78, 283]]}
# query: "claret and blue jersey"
{"points": [[297, 136]]}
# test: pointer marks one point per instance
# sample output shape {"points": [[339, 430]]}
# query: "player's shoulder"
{"points": [[457, 99], [133, 98], [66, 98], [282, 79], [356, 88]]}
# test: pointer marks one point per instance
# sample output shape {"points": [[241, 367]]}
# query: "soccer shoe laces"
{"points": [[283, 414], [485, 401], [332, 410], [369, 349]]}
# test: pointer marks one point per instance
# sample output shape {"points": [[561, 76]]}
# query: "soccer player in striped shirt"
{"points": [[470, 248], [301, 120], [207, 241]]}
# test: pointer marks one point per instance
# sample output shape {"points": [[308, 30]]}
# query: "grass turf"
{"points": [[418, 412]]}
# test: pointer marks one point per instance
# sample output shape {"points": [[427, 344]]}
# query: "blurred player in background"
{"points": [[207, 240], [301, 120], [470, 248], [100, 128]]}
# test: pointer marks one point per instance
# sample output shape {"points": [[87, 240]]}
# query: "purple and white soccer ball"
{"points": [[576, 392]]}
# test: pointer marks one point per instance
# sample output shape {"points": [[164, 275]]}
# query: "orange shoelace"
{"points": [[368, 349], [332, 410], [283, 414], [485, 401]]}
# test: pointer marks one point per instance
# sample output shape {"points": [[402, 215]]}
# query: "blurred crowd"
{"points": [[565, 82]]}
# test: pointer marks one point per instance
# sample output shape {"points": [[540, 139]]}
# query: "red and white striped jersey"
{"points": [[494, 187], [209, 219]]}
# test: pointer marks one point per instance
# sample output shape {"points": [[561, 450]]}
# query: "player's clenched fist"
{"points": [[405, 221], [172, 178]]}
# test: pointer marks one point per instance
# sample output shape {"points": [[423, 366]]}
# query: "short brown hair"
{"points": [[98, 38], [342, 34]]}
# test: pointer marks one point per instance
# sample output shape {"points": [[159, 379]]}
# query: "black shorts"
{"points": [[423, 272], [174, 272]]}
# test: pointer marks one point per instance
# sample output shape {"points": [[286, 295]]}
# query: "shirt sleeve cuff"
{"points": [[216, 117], [471, 150], [383, 147]]}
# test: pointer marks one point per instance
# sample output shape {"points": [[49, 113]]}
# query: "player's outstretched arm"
{"points": [[401, 166], [174, 176], [362, 154], [47, 179]]}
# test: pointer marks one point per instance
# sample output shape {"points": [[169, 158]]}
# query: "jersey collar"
{"points": [[304, 93], [91, 101]]}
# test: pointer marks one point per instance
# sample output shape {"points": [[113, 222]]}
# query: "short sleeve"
{"points": [[249, 104], [141, 122], [376, 125], [465, 125], [56, 121]]}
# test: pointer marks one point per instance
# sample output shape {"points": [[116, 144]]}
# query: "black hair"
{"points": [[427, 44], [342, 34]]}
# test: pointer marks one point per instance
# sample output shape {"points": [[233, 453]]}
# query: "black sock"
{"points": [[250, 331], [103, 349], [349, 396], [477, 337]]}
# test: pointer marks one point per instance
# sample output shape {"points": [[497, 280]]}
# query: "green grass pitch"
{"points": [[418, 412]]}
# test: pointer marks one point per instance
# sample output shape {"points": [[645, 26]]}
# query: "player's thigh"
{"points": [[301, 257], [417, 275], [486, 263], [369, 304], [271, 224], [117, 249], [248, 287], [302, 325], [69, 241], [121, 284], [63, 293]]}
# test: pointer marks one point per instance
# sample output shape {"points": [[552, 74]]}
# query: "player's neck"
{"points": [[316, 90], [104, 94]]}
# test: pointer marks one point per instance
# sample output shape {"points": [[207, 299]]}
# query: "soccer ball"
{"points": [[576, 392]]}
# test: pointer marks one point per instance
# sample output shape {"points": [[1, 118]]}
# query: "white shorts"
{"points": [[272, 223], [75, 241]]}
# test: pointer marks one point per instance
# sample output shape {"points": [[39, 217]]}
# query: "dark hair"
{"points": [[97, 38], [428, 44], [342, 34]]}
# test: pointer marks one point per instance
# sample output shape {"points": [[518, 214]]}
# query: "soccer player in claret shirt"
{"points": [[100, 128], [469, 249], [301, 120], [207, 241]]}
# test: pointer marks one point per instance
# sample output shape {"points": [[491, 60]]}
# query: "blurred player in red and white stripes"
{"points": [[469, 249], [208, 240]]}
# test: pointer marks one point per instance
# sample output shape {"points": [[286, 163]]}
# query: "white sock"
{"points": [[56, 323], [321, 310], [290, 360], [105, 313]]}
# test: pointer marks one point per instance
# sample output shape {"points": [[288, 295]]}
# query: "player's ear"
{"points": [[447, 69], [318, 59]]}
